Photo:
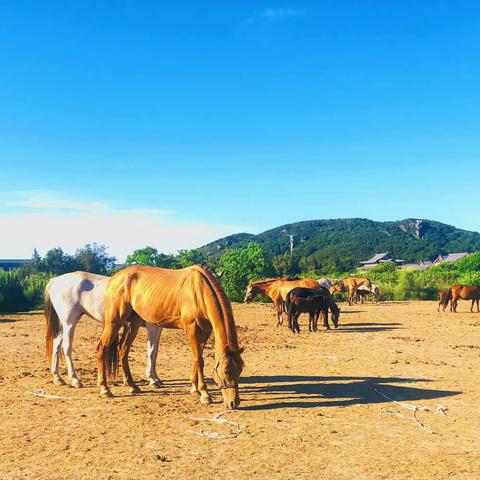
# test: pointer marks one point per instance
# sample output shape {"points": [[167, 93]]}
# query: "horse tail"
{"points": [[449, 295], [52, 323], [288, 302]]}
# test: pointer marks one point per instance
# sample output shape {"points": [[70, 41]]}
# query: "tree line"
{"points": [[22, 288]]}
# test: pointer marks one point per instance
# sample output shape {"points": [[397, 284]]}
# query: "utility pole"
{"points": [[290, 236]]}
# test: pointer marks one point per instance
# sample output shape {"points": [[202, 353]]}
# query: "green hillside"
{"points": [[339, 245]]}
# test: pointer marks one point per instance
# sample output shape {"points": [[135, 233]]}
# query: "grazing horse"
{"points": [[277, 290], [363, 291], [190, 299], [465, 292], [444, 296], [67, 298], [353, 284], [312, 301]]}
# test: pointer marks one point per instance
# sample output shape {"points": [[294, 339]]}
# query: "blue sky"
{"points": [[173, 123]]}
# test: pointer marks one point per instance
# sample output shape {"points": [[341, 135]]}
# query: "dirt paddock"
{"points": [[317, 405]]}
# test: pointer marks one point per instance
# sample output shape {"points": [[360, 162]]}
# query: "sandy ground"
{"points": [[312, 405]]}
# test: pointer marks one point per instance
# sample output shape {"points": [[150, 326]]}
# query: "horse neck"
{"points": [[219, 313]]}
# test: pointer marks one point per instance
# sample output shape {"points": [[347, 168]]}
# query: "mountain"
{"points": [[340, 244]]}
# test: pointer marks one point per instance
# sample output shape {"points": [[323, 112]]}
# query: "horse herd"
{"points": [[315, 297], [456, 292], [191, 299]]}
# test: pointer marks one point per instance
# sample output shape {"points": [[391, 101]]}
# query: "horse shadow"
{"points": [[7, 320], [367, 327], [293, 391]]}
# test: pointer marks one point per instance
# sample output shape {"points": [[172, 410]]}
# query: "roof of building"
{"points": [[377, 258], [451, 257]]}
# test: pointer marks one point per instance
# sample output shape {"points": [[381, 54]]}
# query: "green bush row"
{"points": [[22, 294]]}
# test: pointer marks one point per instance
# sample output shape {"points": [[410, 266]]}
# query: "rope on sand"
{"points": [[413, 408], [220, 421], [44, 394]]}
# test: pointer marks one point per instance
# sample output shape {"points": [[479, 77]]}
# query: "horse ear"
{"points": [[219, 274], [339, 310], [241, 350]]}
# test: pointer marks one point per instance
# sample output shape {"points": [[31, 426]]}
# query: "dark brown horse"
{"points": [[312, 301], [465, 292]]}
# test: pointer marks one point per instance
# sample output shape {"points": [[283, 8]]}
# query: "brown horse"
{"points": [[444, 296], [353, 284], [190, 299], [277, 290], [465, 292]]}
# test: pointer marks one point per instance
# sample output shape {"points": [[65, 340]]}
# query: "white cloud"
{"points": [[274, 14], [279, 13], [71, 224]]}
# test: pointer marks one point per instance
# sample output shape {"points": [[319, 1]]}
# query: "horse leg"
{"points": [[111, 325], [54, 367], [153, 340], [310, 322], [128, 336], [67, 346], [279, 310], [296, 324], [325, 318], [197, 340]]}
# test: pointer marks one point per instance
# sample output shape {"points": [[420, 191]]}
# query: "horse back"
{"points": [[78, 292]]}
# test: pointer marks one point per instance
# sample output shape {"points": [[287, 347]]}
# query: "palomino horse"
{"points": [[190, 299], [465, 292], [277, 290], [444, 296], [67, 298], [352, 283], [311, 301]]}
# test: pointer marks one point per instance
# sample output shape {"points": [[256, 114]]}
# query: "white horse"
{"points": [[364, 290], [67, 298]]}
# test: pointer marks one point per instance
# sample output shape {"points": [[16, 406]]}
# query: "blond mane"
{"points": [[224, 304]]}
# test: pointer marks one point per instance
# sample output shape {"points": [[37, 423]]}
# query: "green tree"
{"points": [[150, 256], [94, 258], [57, 262], [186, 258], [241, 265]]}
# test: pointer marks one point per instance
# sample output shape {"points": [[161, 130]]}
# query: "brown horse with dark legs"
{"points": [[353, 284], [444, 296], [190, 299], [277, 290], [465, 292]]}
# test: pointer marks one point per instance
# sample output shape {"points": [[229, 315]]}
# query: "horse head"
{"points": [[250, 293], [337, 286], [226, 373]]}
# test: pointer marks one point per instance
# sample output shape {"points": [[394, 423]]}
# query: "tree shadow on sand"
{"points": [[315, 391]]}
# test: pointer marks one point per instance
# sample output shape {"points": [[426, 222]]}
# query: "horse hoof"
{"points": [[134, 389], [156, 383], [76, 383], [59, 381], [205, 400], [195, 393], [106, 394]]}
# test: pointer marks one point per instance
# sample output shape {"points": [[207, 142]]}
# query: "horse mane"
{"points": [[225, 306]]}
